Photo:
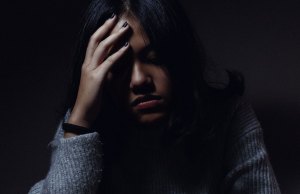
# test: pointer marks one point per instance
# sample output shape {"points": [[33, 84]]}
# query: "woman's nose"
{"points": [[141, 80]]}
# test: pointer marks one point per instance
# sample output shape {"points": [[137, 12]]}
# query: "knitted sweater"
{"points": [[243, 167]]}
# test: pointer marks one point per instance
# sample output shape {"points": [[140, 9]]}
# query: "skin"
{"points": [[143, 75]]}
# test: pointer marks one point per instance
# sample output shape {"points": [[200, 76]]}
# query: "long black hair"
{"points": [[199, 106]]}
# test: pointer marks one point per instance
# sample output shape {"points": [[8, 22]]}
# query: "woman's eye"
{"points": [[149, 56], [152, 59]]}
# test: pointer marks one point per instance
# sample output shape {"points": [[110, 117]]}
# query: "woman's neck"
{"points": [[146, 136]]}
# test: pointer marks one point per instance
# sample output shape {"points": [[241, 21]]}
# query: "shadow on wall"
{"points": [[281, 125]]}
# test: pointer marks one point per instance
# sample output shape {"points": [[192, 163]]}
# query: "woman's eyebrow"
{"points": [[146, 50]]}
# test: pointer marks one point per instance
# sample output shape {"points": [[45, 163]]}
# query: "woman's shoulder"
{"points": [[244, 120], [226, 88]]}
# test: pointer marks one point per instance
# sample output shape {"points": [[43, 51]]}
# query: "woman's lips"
{"points": [[148, 104]]}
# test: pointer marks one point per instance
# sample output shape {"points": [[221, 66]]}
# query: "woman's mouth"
{"points": [[146, 102]]}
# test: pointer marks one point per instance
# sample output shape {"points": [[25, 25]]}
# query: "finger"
{"points": [[98, 36], [111, 60], [104, 48]]}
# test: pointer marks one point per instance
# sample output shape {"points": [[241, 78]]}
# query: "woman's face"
{"points": [[141, 87]]}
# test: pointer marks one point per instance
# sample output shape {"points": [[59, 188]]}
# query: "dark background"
{"points": [[260, 39]]}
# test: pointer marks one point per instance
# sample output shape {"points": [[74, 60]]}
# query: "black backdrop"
{"points": [[260, 39]]}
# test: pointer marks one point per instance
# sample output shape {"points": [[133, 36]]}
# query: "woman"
{"points": [[146, 115]]}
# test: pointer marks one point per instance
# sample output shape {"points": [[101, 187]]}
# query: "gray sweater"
{"points": [[244, 167]]}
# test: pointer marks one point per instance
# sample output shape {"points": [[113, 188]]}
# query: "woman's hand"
{"points": [[97, 63]]}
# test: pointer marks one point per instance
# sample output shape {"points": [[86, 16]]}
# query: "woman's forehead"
{"points": [[138, 39]]}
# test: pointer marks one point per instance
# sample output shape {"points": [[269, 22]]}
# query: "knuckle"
{"points": [[106, 24], [84, 65], [84, 69], [93, 76], [93, 38], [115, 36], [89, 75], [104, 45], [111, 60]]}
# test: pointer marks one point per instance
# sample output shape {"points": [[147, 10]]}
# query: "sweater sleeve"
{"points": [[75, 165], [248, 167]]}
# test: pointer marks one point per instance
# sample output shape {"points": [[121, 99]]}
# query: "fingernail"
{"points": [[124, 25], [112, 15], [126, 44]]}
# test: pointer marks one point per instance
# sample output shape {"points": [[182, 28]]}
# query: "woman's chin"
{"points": [[151, 118]]}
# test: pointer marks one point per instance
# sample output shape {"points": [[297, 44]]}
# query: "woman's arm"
{"points": [[76, 160], [247, 162], [75, 165]]}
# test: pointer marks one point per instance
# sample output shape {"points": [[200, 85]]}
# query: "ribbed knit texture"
{"points": [[76, 166]]}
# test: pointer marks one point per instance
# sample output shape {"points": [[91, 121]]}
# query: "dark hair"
{"points": [[177, 46]]}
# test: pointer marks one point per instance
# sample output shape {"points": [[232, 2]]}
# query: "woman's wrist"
{"points": [[71, 130], [68, 135], [79, 118], [79, 122]]}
